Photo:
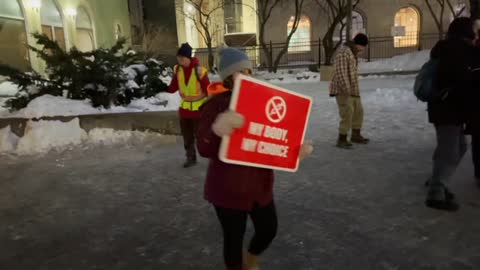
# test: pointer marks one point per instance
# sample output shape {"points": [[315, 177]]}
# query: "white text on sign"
{"points": [[268, 131], [261, 130]]}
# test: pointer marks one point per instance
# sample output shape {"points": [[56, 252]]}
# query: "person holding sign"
{"points": [[345, 88], [236, 191]]}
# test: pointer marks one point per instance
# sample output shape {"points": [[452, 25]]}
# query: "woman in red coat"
{"points": [[236, 191]]}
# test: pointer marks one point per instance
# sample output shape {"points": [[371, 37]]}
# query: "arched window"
{"points": [[301, 39], [85, 40], [407, 28], [52, 22], [13, 36], [358, 25]]}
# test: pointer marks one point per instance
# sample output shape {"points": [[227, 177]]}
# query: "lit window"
{"points": [[409, 20], [300, 41], [52, 23], [13, 49], [85, 39]]}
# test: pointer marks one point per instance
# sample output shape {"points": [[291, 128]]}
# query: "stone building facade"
{"points": [[396, 26]]}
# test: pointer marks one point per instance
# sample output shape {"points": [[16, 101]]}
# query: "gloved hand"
{"points": [[226, 122], [306, 149]]}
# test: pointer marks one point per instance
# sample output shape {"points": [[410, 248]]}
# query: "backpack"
{"points": [[425, 88]]}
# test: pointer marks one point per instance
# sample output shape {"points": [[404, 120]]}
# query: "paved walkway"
{"points": [[133, 207]]}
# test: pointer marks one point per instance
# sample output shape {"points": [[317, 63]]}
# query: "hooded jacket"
{"points": [[454, 80]]}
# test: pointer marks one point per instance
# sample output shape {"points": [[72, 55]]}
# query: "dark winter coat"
{"points": [[473, 119], [229, 186], [454, 81]]}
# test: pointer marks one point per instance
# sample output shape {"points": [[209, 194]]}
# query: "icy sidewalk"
{"points": [[134, 207]]}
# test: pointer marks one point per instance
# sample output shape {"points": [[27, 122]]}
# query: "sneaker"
{"points": [[189, 163], [442, 199]]}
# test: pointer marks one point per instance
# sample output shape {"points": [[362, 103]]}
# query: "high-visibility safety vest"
{"points": [[193, 96]]}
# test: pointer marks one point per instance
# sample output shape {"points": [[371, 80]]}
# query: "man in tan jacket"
{"points": [[346, 90]]}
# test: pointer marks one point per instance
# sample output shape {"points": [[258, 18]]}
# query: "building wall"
{"points": [[161, 16], [105, 16]]}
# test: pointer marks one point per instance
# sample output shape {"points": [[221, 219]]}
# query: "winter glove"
{"points": [[226, 122], [306, 149]]}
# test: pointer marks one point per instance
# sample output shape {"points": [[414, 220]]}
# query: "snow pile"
{"points": [[8, 89], [44, 136], [8, 140], [48, 105], [407, 62], [289, 76]]}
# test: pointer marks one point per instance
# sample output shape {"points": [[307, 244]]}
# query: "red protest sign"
{"points": [[275, 125]]}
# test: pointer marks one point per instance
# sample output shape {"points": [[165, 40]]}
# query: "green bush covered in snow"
{"points": [[106, 77]]}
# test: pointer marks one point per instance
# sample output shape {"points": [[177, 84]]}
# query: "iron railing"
{"points": [[304, 54]]}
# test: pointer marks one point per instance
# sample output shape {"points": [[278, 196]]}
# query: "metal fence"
{"points": [[312, 53]]}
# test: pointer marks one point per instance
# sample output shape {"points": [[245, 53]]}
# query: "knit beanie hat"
{"points": [[361, 39], [231, 61], [185, 50], [461, 28]]}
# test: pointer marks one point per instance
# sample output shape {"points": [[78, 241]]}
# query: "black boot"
{"points": [[442, 199], [358, 138], [190, 163], [343, 142]]}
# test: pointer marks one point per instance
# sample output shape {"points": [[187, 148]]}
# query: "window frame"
{"points": [[299, 47], [402, 42]]}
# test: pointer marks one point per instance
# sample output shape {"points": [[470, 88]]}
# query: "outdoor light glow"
{"points": [[189, 9], [71, 12], [36, 4]]}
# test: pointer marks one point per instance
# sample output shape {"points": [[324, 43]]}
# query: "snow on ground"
{"points": [[137, 208], [8, 88], [42, 137], [385, 98], [48, 105], [407, 62], [286, 76]]}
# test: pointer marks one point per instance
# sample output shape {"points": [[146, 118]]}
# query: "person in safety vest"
{"points": [[191, 80]]}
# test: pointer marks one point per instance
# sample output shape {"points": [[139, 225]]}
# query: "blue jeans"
{"points": [[451, 147]]}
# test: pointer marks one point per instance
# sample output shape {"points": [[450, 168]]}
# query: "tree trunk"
{"points": [[211, 58]]}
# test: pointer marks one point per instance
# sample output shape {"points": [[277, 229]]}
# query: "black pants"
{"points": [[476, 154], [189, 128], [234, 223]]}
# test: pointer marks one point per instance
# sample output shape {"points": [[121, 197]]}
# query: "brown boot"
{"points": [[343, 142], [250, 261], [358, 138]]}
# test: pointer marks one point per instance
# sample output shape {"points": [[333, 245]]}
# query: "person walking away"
{"points": [[236, 192], [191, 80], [447, 111], [345, 88]]}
